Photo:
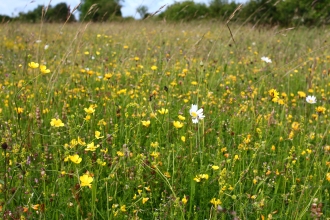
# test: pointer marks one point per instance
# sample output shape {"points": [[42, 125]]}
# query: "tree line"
{"points": [[261, 12]]}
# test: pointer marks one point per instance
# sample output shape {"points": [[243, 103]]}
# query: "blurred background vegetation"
{"points": [[258, 12]]}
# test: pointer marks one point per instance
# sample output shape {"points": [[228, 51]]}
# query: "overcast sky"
{"points": [[13, 7]]}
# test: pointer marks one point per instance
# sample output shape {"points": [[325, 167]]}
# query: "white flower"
{"points": [[266, 59], [196, 114], [311, 99], [46, 46]]}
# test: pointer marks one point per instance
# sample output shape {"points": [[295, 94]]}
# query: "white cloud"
{"points": [[128, 9]]}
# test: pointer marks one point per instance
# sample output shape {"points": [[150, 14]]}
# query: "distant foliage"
{"points": [[58, 13], [4, 18], [286, 13], [100, 10], [259, 12], [142, 10], [185, 11], [221, 9]]}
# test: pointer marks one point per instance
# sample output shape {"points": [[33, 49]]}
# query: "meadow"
{"points": [[99, 121]]}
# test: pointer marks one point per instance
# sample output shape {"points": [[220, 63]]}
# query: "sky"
{"points": [[128, 9]]}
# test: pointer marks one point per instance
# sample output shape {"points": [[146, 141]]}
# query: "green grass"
{"points": [[253, 156]]}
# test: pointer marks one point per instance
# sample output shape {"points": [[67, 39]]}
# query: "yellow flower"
{"points": [[44, 69], [144, 200], [301, 94], [33, 65], [177, 124], [97, 135], [321, 109], [91, 147], [295, 126], [214, 167], [197, 179], [183, 138], [123, 208], [163, 111], [146, 123], [200, 177], [101, 122], [184, 200], [167, 174], [181, 117], [86, 180], [19, 110], [154, 144], [215, 201], [89, 110], [328, 177], [35, 207], [204, 176], [81, 142], [56, 123], [120, 154], [87, 118], [273, 148], [273, 93], [147, 188], [75, 158], [155, 154], [154, 67], [107, 75]]}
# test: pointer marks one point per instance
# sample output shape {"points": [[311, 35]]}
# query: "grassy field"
{"points": [[97, 121]]}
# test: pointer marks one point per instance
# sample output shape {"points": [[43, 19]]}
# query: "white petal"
{"points": [[200, 111], [193, 108], [195, 120]]}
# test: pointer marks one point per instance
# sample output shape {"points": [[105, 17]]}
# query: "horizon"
{"points": [[128, 7]]}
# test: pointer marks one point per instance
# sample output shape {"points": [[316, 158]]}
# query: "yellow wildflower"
{"points": [[44, 69], [98, 135], [184, 200], [144, 200], [33, 65], [91, 147], [75, 158], [56, 123], [86, 180], [163, 111], [177, 124], [215, 201], [146, 123]]}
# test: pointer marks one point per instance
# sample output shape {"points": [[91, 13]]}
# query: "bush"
{"points": [[185, 11]]}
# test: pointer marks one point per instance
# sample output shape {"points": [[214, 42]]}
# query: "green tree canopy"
{"points": [[58, 13], [99, 10], [222, 9], [186, 11], [142, 10]]}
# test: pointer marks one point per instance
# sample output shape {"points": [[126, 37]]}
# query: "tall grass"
{"points": [[118, 88]]}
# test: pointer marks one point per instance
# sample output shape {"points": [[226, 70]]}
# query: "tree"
{"points": [[59, 13], [185, 11], [222, 9], [99, 10], [142, 10], [4, 18]]}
